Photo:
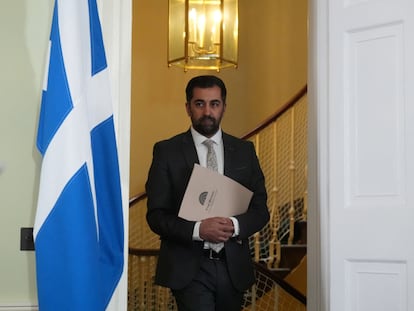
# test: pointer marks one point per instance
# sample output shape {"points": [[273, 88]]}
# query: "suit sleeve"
{"points": [[257, 214], [165, 188]]}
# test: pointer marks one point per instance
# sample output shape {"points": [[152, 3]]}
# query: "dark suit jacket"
{"points": [[170, 171]]}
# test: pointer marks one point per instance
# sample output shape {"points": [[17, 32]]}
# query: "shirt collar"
{"points": [[199, 139]]}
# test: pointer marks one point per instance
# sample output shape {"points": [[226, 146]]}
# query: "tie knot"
{"points": [[209, 143]]}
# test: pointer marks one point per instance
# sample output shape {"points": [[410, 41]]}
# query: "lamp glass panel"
{"points": [[230, 30], [204, 21], [176, 30]]}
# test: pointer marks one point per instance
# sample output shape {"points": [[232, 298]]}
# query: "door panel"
{"points": [[364, 129]]}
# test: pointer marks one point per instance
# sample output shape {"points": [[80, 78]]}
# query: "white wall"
{"points": [[24, 34]]}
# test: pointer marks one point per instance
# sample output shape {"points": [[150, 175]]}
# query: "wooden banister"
{"points": [[278, 113]]}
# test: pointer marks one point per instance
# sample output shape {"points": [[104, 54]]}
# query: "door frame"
{"points": [[117, 27], [318, 188]]}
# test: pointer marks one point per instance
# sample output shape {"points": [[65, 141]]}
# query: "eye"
{"points": [[215, 103], [199, 103]]}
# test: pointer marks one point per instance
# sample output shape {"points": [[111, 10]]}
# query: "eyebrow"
{"points": [[211, 101]]}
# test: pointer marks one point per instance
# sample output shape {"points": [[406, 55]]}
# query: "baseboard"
{"points": [[18, 307]]}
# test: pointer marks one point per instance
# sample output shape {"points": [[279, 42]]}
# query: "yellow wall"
{"points": [[272, 67]]}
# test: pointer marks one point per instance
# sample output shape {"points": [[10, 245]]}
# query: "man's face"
{"points": [[206, 110]]}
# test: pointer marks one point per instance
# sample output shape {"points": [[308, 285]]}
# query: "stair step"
{"points": [[281, 272], [301, 233], [292, 255]]}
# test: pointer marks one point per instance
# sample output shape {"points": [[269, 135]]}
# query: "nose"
{"points": [[207, 110]]}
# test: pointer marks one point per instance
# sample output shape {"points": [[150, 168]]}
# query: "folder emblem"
{"points": [[202, 197]]}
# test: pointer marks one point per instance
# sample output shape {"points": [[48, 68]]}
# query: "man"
{"points": [[200, 277]]}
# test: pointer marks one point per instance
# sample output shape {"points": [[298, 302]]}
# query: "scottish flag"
{"points": [[79, 230]]}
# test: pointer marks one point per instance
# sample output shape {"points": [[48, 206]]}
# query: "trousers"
{"points": [[211, 289]]}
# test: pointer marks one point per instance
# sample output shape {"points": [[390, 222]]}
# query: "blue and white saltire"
{"points": [[79, 230]]}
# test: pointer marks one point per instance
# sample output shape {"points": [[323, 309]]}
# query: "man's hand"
{"points": [[216, 229]]}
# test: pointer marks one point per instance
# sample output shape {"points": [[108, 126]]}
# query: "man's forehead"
{"points": [[210, 93]]}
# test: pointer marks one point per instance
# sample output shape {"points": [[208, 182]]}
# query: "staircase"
{"points": [[282, 288], [292, 267]]}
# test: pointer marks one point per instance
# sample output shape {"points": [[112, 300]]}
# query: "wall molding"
{"points": [[19, 307]]}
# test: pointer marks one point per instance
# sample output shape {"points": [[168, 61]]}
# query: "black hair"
{"points": [[205, 81]]}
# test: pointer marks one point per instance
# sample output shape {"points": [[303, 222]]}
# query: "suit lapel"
{"points": [[229, 152], [189, 150]]}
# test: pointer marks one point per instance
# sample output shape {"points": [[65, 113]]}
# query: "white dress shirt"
{"points": [[202, 157]]}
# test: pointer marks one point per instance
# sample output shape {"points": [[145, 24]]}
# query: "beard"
{"points": [[206, 126]]}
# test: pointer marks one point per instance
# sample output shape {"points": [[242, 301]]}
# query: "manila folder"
{"points": [[211, 194]]}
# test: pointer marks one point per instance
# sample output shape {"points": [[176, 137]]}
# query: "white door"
{"points": [[361, 171]]}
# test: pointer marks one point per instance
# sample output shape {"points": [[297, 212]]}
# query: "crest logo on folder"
{"points": [[206, 199], [202, 197]]}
